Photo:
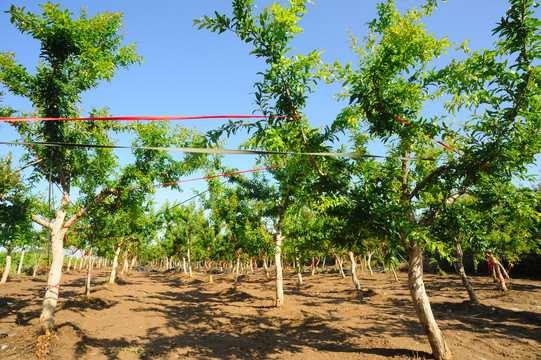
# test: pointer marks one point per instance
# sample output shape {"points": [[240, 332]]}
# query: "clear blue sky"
{"points": [[191, 72]]}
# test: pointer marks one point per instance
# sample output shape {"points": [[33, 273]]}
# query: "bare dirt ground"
{"points": [[152, 315]]}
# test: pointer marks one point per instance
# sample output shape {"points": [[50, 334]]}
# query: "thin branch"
{"points": [[427, 179], [26, 166], [431, 215], [84, 210]]}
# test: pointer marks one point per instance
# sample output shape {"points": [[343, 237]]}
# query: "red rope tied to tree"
{"points": [[428, 136], [144, 118], [212, 176], [502, 281], [32, 151], [57, 286], [432, 138], [510, 265], [135, 247]]}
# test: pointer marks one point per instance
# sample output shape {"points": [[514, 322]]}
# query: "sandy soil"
{"points": [[154, 315]]}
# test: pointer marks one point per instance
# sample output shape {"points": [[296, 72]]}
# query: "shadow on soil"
{"points": [[197, 326], [254, 330]]}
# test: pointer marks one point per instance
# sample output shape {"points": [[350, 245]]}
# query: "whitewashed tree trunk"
{"points": [[299, 270], [354, 271], [502, 270], [369, 261], [340, 265], [265, 266], [37, 261], [394, 273], [125, 263], [279, 275], [55, 273], [88, 273], [112, 277], [69, 263], [237, 272], [210, 270], [20, 267], [189, 258], [422, 304], [7, 268]]}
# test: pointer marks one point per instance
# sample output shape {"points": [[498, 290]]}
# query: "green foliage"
{"points": [[186, 227], [396, 199], [75, 55]]}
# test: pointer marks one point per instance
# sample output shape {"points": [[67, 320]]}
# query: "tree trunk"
{"points": [[189, 259], [7, 268], [55, 273], [88, 273], [69, 263], [134, 262], [368, 261], [394, 273], [184, 265], [460, 269], [210, 269], [37, 261], [279, 276], [299, 270], [354, 271], [422, 304], [503, 287], [112, 277], [237, 272], [502, 270], [265, 266], [20, 267], [125, 263], [341, 267]]}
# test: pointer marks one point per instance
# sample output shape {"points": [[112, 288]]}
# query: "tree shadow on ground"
{"points": [[203, 330], [490, 320]]}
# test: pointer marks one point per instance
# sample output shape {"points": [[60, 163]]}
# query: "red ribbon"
{"points": [[150, 118]]}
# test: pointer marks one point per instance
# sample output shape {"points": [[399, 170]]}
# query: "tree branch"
{"points": [[427, 179], [431, 215], [26, 166], [73, 219]]}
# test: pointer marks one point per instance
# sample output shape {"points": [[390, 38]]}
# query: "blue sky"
{"points": [[195, 72]]}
